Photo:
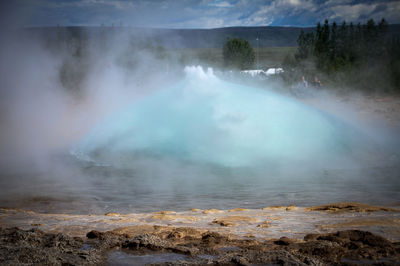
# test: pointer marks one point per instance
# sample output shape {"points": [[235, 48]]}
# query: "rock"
{"points": [[351, 244], [113, 214], [192, 251], [225, 223], [290, 208], [265, 224], [311, 237], [234, 220], [239, 260], [322, 249], [172, 217], [36, 247], [165, 212], [212, 211], [276, 207], [213, 237], [37, 224], [176, 234], [276, 218], [281, 257], [340, 248], [284, 241], [270, 257], [184, 233], [164, 217], [107, 239], [350, 207], [238, 210], [147, 241], [93, 234], [364, 237]]}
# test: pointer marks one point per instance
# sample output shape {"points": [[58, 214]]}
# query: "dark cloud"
{"points": [[194, 14]]}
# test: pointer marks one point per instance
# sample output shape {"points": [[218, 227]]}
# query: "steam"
{"points": [[171, 124], [29, 90], [198, 117], [206, 119], [42, 114]]}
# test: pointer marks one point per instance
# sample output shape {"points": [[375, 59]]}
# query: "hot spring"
{"points": [[204, 142], [206, 120]]}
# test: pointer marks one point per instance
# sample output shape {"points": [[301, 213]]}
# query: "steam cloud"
{"points": [[206, 119], [181, 122]]}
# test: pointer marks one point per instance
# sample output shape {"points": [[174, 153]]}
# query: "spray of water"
{"points": [[208, 120]]}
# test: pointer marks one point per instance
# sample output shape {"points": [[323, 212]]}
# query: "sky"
{"points": [[192, 13]]}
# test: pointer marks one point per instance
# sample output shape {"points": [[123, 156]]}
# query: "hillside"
{"points": [[192, 38]]}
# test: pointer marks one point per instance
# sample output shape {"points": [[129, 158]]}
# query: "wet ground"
{"points": [[266, 223], [341, 234]]}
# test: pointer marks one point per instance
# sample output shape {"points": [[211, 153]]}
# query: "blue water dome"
{"points": [[204, 119]]}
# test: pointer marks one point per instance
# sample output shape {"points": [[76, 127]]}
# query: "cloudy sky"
{"points": [[192, 13]]}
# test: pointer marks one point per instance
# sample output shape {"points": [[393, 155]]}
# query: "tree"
{"points": [[321, 47], [318, 40], [238, 53], [305, 43], [371, 39], [333, 42], [343, 43], [360, 55], [352, 45], [381, 38]]}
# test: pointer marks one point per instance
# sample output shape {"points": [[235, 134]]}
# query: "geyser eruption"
{"points": [[208, 120]]}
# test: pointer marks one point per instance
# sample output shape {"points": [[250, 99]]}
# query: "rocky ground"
{"points": [[350, 247], [162, 239]]}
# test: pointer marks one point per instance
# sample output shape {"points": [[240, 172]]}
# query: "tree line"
{"points": [[361, 55]]}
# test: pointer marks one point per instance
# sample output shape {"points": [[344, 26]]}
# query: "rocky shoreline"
{"points": [[334, 234], [351, 247]]}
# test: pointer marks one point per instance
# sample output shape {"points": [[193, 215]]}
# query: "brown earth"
{"points": [[200, 247], [286, 235], [350, 207], [234, 220]]}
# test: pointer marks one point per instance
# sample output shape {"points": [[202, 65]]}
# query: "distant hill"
{"points": [[213, 38], [192, 38]]}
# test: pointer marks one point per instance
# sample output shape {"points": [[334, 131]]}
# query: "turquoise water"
{"points": [[204, 119]]}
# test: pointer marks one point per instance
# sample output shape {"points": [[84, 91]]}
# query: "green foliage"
{"points": [[394, 62], [362, 56], [238, 53], [306, 44]]}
